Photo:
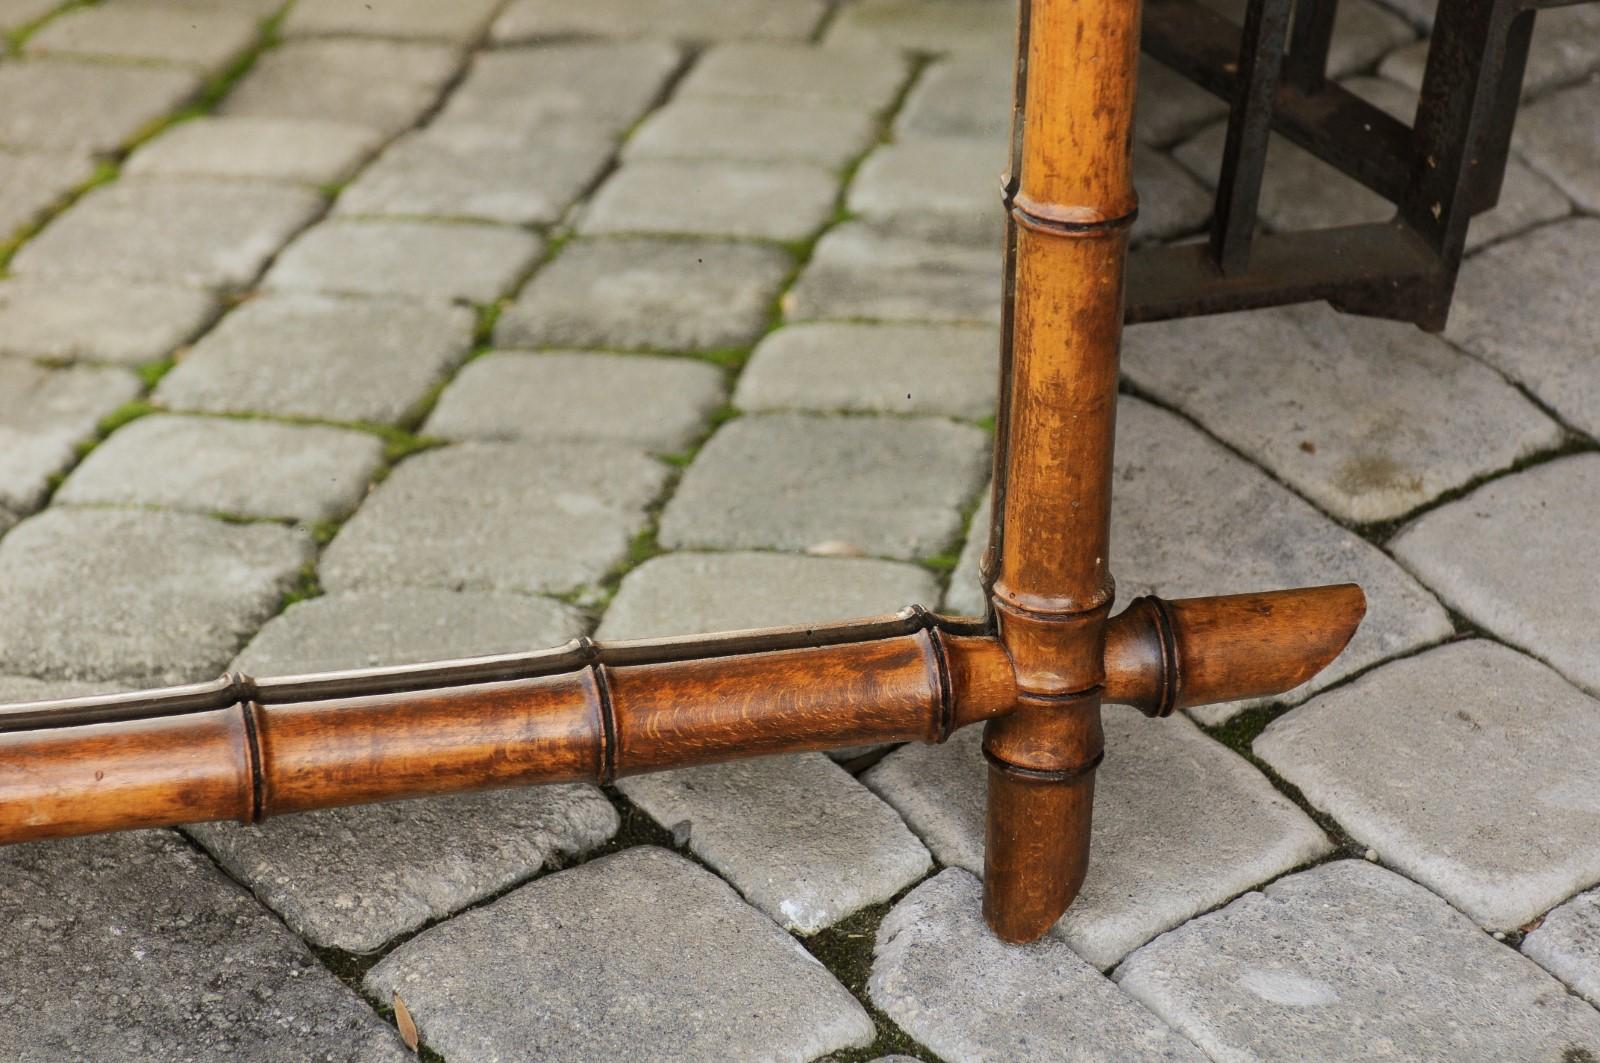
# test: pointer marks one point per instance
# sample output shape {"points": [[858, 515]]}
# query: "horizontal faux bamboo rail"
{"points": [[245, 749]]}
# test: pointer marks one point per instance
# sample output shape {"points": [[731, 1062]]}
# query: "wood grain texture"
{"points": [[318, 754], [268, 757], [122, 776], [1034, 824], [1078, 136], [700, 712], [1163, 656], [1071, 215], [1010, 182]]}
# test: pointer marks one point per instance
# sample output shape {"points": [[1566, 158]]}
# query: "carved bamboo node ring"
{"points": [[1034, 672], [1158, 626], [243, 748], [1042, 775], [1067, 221]]}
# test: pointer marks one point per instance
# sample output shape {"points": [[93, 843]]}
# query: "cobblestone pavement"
{"points": [[370, 331]]}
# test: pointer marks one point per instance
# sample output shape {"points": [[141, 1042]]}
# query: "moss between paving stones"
{"points": [[846, 949]]}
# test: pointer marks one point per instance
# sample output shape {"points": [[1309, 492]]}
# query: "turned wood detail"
{"points": [[1035, 671], [1070, 213], [245, 749]]}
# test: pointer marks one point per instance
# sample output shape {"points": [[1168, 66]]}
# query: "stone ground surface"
{"points": [[337, 334]]}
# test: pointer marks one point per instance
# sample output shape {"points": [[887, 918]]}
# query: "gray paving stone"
{"points": [[99, 321], [753, 131], [1527, 199], [933, 189], [941, 793], [21, 689], [373, 629], [944, 977], [259, 8], [151, 32], [465, 172], [1526, 307], [771, 201], [1406, 65], [1169, 107], [254, 469], [965, 97], [1360, 416], [1418, 12], [1469, 768], [656, 402], [640, 948], [1302, 192], [44, 414], [1564, 50], [386, 85], [1363, 32], [826, 366], [554, 517], [1514, 556], [860, 273], [137, 596], [949, 189], [83, 105], [891, 487], [964, 596], [797, 836], [1567, 944], [1559, 136], [190, 232], [1171, 203], [517, 94], [524, 20], [1351, 961], [926, 26], [690, 594], [31, 182], [797, 74], [682, 295], [356, 878], [1190, 519], [133, 946], [460, 20], [1181, 825], [302, 355], [1298, 190], [271, 149], [430, 260], [1566, 46], [14, 14]]}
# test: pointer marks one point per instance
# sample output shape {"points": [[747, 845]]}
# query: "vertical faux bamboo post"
{"points": [[989, 567], [1072, 212]]}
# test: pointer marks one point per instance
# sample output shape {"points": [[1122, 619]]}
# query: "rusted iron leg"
{"points": [[1072, 210]]}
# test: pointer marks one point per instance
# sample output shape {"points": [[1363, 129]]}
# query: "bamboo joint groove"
{"points": [[1034, 672]]}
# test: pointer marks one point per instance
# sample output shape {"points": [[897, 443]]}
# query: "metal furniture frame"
{"points": [[1439, 171]]}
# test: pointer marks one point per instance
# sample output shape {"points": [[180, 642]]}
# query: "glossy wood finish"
{"points": [[121, 776], [260, 758], [1162, 656], [348, 751], [1010, 182], [1035, 671], [1072, 211]]}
